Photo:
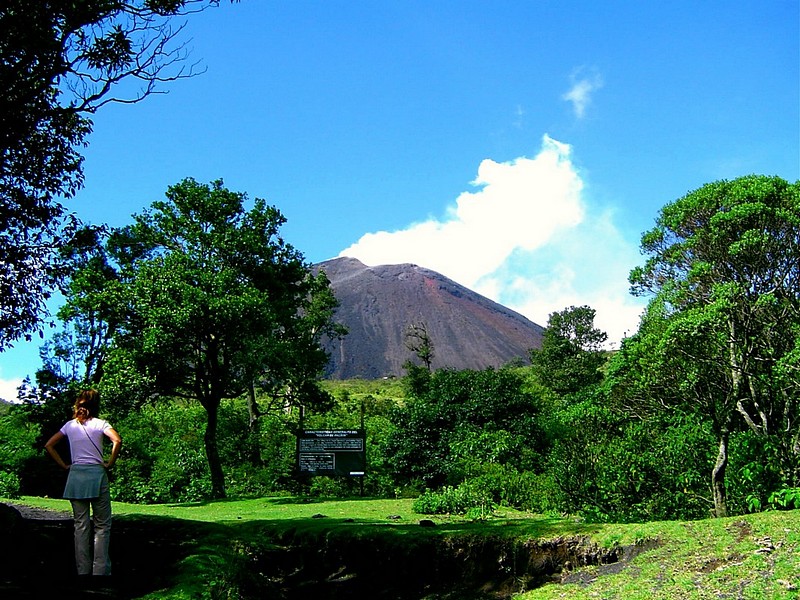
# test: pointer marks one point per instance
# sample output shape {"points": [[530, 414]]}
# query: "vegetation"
{"points": [[571, 355], [200, 299], [694, 416], [418, 340], [721, 335]]}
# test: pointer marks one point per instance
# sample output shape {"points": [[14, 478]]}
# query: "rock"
{"points": [[12, 532], [10, 518], [377, 304], [427, 523]]}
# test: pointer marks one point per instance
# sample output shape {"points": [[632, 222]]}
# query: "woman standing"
{"points": [[87, 482]]}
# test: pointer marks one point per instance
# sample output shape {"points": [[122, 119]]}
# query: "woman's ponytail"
{"points": [[87, 405]]}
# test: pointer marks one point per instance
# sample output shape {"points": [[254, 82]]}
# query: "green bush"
{"points": [[18, 450], [612, 469], [461, 500], [753, 474], [19, 437], [163, 458], [785, 499], [524, 490], [459, 420], [9, 485]]}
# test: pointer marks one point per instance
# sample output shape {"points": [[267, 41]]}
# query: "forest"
{"points": [[201, 328]]}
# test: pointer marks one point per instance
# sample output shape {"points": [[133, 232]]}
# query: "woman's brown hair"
{"points": [[87, 405]]}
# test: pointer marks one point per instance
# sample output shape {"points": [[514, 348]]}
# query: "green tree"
{"points": [[59, 63], [724, 269], [216, 300], [17, 450], [90, 313], [572, 351]]}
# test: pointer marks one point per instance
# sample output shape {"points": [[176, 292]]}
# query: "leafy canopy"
{"points": [[572, 350], [200, 298], [59, 63], [721, 335]]}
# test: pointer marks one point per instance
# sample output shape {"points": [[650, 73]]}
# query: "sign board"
{"points": [[332, 452]]}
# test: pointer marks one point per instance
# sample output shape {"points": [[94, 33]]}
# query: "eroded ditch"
{"points": [[295, 565], [447, 567]]}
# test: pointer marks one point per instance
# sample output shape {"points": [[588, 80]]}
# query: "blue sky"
{"points": [[518, 147]]}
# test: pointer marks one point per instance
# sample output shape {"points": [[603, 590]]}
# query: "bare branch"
{"points": [[134, 43]]}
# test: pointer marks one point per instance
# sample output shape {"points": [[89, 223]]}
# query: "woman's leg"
{"points": [[83, 536], [101, 515]]}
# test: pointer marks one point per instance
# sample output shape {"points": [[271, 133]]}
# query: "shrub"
{"points": [[18, 450], [785, 499], [9, 485], [524, 490], [611, 469], [460, 420], [467, 498], [163, 458], [754, 472], [19, 439]]}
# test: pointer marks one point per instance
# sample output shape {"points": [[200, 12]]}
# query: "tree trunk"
{"points": [[252, 408], [718, 476], [212, 451], [254, 449]]}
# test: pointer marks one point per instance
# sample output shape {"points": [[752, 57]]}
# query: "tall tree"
{"points": [[724, 268], [215, 300], [59, 63], [90, 314], [572, 350]]}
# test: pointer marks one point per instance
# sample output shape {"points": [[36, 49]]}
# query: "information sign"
{"points": [[332, 452]]}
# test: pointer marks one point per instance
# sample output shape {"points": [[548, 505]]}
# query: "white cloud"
{"points": [[525, 238], [580, 94], [521, 203], [588, 264], [8, 389]]}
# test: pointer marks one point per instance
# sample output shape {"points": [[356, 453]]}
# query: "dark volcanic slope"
{"points": [[377, 304]]}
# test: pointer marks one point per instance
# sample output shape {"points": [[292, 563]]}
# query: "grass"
{"points": [[283, 513], [751, 557]]}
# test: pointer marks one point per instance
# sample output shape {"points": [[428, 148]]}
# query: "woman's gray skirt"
{"points": [[84, 481]]}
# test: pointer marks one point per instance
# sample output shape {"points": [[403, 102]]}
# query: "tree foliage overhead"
{"points": [[721, 335], [59, 63]]}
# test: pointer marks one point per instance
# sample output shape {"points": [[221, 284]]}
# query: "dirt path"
{"points": [[39, 514], [37, 559]]}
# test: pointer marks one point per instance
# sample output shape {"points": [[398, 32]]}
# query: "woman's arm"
{"points": [[116, 442], [51, 450]]}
